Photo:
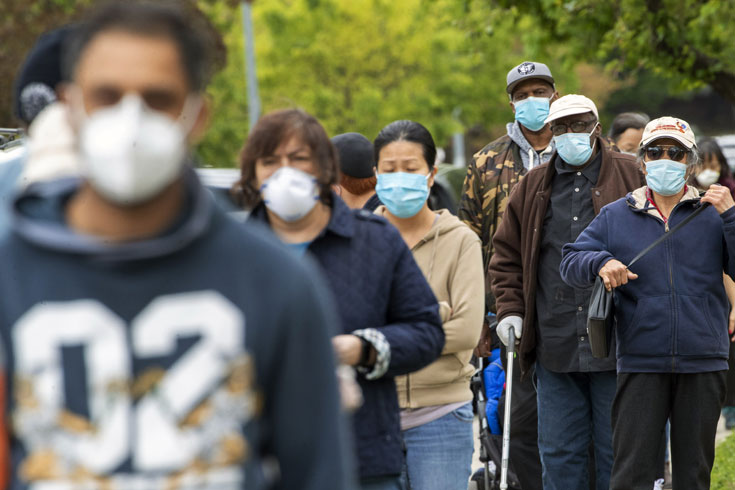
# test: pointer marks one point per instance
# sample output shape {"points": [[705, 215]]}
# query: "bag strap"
{"points": [[660, 239]]}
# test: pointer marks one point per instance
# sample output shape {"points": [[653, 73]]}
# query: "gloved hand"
{"points": [[514, 322]]}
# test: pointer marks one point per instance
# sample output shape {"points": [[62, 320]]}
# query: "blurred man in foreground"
{"points": [[149, 341]]}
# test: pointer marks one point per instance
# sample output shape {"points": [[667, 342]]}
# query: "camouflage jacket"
{"points": [[491, 175]]}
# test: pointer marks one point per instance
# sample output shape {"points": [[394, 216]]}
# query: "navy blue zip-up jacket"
{"points": [[377, 284], [193, 359], [674, 317]]}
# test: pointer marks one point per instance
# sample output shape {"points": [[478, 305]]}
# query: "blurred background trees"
{"points": [[360, 64]]}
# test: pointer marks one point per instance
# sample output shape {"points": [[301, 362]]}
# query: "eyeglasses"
{"points": [[675, 153], [576, 127]]}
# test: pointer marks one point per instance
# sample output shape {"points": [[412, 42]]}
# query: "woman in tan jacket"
{"points": [[436, 411]]}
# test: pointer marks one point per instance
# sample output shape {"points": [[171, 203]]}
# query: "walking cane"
{"points": [[506, 415]]}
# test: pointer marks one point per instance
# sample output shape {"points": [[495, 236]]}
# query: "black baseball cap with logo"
{"points": [[526, 71]]}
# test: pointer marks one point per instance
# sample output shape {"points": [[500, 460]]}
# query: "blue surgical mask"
{"points": [[665, 177], [574, 148], [402, 193], [532, 112]]}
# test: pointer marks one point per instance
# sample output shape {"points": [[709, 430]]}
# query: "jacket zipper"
{"points": [[673, 307], [670, 257], [674, 327]]}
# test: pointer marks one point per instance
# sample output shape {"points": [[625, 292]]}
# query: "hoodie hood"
{"points": [[531, 158], [38, 215], [444, 223]]}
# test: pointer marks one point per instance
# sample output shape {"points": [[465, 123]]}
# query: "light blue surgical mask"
{"points": [[665, 177], [404, 194], [575, 148], [532, 112]]}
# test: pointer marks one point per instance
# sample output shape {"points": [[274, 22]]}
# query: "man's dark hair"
{"points": [[199, 44], [625, 121], [407, 131], [268, 133]]}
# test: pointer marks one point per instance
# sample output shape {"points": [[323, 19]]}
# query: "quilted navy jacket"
{"points": [[377, 284], [673, 318]]}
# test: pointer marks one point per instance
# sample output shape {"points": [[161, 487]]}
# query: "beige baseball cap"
{"points": [[669, 127], [569, 105]]}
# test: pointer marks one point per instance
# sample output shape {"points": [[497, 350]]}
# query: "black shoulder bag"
{"points": [[600, 315]]}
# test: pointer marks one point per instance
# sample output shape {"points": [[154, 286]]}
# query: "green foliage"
{"points": [[723, 473], [688, 41], [356, 65], [361, 64], [227, 92]]}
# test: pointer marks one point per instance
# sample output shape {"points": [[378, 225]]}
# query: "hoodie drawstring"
{"points": [[433, 255], [531, 160]]}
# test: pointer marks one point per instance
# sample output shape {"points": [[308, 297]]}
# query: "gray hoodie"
{"points": [[531, 158]]}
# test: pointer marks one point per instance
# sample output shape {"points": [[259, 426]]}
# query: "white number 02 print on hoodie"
{"points": [[185, 419]]}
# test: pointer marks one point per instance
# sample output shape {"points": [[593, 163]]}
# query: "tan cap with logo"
{"points": [[669, 127]]}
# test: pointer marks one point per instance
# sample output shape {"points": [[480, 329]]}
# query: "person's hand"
{"points": [[731, 327], [720, 197], [348, 349], [349, 391], [514, 322], [614, 274]]}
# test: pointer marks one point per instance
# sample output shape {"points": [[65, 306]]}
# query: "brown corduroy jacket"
{"points": [[517, 241]]}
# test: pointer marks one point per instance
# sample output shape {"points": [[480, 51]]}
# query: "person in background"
{"points": [[39, 104], [389, 317], [48, 148], [713, 169], [148, 340], [549, 318], [357, 171], [674, 293], [436, 408], [626, 131], [491, 176]]}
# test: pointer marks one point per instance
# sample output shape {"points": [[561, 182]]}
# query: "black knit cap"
{"points": [[355, 155], [35, 84]]}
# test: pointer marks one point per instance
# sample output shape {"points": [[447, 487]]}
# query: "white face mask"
{"points": [[130, 153], [289, 193], [707, 177]]}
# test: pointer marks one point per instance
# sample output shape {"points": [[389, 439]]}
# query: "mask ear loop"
{"points": [[594, 143]]}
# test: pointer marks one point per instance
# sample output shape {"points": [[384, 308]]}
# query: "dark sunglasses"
{"points": [[657, 152]]}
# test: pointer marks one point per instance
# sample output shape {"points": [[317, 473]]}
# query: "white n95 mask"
{"points": [[289, 193], [707, 177], [130, 153]]}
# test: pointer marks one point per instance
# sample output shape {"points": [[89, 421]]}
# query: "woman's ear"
{"points": [[432, 174]]}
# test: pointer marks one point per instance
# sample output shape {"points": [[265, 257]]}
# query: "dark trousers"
{"points": [[730, 401], [643, 402], [523, 428], [574, 410]]}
